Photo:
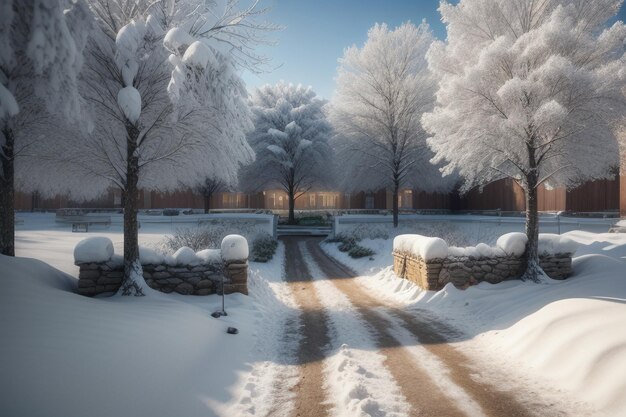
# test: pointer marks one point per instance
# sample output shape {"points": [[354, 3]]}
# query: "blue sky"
{"points": [[316, 33]]}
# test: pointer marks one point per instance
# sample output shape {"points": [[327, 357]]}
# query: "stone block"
{"points": [[193, 280], [86, 283], [184, 288], [205, 283], [204, 291], [89, 292], [107, 280], [89, 274], [178, 270]]}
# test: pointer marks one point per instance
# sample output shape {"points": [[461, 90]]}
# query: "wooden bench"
{"points": [[82, 223]]}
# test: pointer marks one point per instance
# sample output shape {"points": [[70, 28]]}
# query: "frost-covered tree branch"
{"points": [[41, 44], [383, 89], [157, 125]]}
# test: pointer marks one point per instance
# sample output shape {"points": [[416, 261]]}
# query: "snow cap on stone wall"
{"points": [[552, 244], [234, 247], [423, 246], [513, 243], [93, 249]]}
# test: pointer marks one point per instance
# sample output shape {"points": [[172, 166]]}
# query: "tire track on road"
{"points": [[310, 398], [492, 401]]}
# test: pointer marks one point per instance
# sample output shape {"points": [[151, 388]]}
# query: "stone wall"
{"points": [[203, 279], [464, 271]]}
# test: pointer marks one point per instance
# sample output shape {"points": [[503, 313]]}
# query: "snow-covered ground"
{"points": [[562, 335], [63, 354]]}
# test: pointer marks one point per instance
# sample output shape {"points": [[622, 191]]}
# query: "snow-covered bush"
{"points": [[349, 243], [197, 238], [263, 248], [359, 251], [449, 232], [210, 235]]}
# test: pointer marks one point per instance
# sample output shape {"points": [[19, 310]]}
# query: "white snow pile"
{"points": [[234, 247], [423, 246], [100, 249], [210, 255], [198, 55], [129, 100], [149, 256], [511, 244], [186, 256], [8, 104], [177, 40], [551, 244], [93, 249]]}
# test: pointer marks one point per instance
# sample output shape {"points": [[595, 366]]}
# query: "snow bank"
{"points": [[68, 355], [93, 249], [234, 247], [425, 247]]}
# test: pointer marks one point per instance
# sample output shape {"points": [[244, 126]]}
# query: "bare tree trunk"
{"points": [[396, 208], [292, 205], [533, 270], [7, 193], [133, 282]]}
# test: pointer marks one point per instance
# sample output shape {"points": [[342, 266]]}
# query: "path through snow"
{"points": [[355, 354]]}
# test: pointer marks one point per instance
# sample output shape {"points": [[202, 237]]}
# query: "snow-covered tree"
{"points": [[160, 126], [529, 90], [41, 43], [382, 91], [207, 188], [290, 139]]}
